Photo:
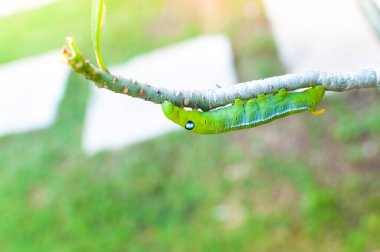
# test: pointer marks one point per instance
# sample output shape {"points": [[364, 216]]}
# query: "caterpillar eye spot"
{"points": [[189, 125]]}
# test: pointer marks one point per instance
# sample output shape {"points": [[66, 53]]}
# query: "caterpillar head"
{"points": [[188, 119]]}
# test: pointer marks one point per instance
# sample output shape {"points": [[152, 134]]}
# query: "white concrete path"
{"points": [[30, 91], [115, 120], [328, 35]]}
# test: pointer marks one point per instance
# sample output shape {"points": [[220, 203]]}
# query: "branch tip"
{"points": [[377, 70]]}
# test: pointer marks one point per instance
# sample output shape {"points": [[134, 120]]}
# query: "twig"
{"points": [[214, 98]]}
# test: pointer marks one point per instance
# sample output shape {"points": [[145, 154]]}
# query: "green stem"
{"points": [[98, 15]]}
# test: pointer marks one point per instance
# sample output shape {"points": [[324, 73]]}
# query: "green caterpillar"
{"points": [[245, 114]]}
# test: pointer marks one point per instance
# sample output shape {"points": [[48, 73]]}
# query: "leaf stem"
{"points": [[98, 15]]}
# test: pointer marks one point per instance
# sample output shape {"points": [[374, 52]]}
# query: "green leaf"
{"points": [[98, 15]]}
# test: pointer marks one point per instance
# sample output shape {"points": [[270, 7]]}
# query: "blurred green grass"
{"points": [[302, 183]]}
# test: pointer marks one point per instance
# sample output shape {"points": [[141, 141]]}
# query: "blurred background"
{"points": [[302, 183]]}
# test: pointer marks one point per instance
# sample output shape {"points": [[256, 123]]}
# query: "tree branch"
{"points": [[214, 98]]}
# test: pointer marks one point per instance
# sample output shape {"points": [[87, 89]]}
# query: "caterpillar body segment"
{"points": [[245, 114]]}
